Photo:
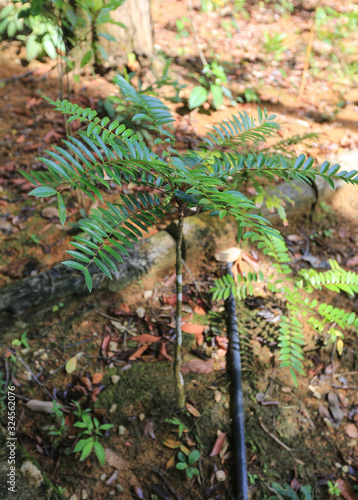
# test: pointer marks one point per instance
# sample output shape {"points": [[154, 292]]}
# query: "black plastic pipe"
{"points": [[237, 401]]}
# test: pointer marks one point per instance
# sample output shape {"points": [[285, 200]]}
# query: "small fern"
{"points": [[108, 153]]}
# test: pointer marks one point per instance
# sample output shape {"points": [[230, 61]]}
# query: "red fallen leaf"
{"points": [[353, 261], [219, 444], [191, 328], [198, 366], [163, 352], [96, 378], [95, 393], [21, 139], [139, 352], [105, 344], [171, 300], [199, 338], [170, 280], [146, 338], [196, 308], [347, 491]]}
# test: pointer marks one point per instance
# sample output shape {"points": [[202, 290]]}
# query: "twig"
{"points": [[280, 497], [16, 77], [308, 52], [29, 370], [195, 33], [115, 360], [274, 437], [111, 317], [161, 475], [345, 387], [76, 343], [304, 408]]}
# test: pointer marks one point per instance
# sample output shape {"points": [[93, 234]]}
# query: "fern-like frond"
{"points": [[335, 279], [291, 341]]}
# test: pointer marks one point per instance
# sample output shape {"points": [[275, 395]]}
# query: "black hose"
{"points": [[237, 403]]}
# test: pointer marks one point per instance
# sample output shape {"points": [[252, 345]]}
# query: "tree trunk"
{"points": [[138, 37], [179, 381]]}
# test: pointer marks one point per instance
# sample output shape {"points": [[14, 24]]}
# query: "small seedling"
{"points": [[181, 427], [273, 44], [60, 429], [185, 463], [91, 428], [333, 489], [56, 307], [21, 341], [213, 84]]}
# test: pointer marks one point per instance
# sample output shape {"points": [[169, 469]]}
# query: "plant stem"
{"points": [[179, 381]]}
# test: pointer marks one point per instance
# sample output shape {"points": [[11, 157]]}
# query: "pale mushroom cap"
{"points": [[229, 255]]}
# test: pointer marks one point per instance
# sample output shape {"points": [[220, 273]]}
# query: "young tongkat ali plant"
{"points": [[108, 153], [90, 433]]}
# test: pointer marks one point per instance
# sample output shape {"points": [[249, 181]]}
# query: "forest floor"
{"points": [[130, 385]]}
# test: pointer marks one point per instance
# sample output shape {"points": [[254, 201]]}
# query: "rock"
{"points": [[74, 497], [84, 495], [113, 408], [103, 477], [148, 294], [140, 312], [115, 379], [32, 473], [121, 430], [352, 431], [49, 213], [6, 227], [220, 476], [119, 488], [335, 407]]}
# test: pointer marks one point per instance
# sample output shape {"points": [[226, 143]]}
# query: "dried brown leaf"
{"points": [[171, 443], [198, 366], [170, 462], [192, 328], [219, 443], [147, 338], [96, 378], [192, 410], [347, 491], [139, 352]]}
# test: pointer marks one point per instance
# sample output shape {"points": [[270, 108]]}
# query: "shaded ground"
{"points": [[140, 401]]}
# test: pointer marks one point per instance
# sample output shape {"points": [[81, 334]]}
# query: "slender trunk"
{"points": [[97, 64], [179, 381]]}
